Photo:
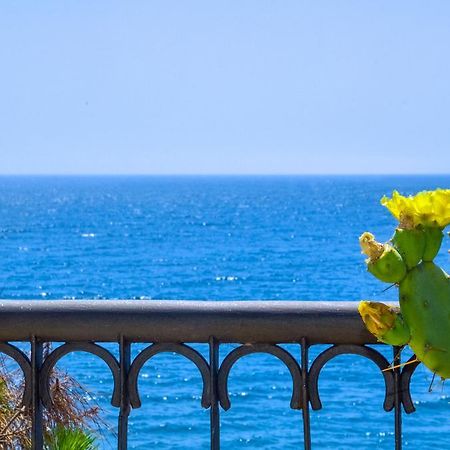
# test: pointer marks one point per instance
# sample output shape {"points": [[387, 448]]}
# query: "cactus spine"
{"points": [[423, 321]]}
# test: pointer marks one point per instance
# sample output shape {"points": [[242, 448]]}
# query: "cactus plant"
{"points": [[423, 319]]}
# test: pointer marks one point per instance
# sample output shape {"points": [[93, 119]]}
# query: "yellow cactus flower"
{"points": [[378, 317], [427, 208]]}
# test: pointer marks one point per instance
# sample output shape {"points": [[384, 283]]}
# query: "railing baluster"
{"points": [[36, 404], [397, 398], [214, 411], [305, 396], [125, 361]]}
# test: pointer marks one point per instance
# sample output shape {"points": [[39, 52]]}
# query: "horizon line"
{"points": [[250, 174]]}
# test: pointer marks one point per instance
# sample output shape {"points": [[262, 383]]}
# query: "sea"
{"points": [[219, 238]]}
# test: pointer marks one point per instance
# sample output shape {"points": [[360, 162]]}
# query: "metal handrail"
{"points": [[183, 321]]}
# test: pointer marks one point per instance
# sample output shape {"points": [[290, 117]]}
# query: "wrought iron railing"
{"points": [[171, 326]]}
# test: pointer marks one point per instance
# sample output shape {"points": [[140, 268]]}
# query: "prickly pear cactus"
{"points": [[423, 320]]}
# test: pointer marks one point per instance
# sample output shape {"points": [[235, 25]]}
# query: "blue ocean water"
{"points": [[232, 238]]}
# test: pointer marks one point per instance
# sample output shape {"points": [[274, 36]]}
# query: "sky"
{"points": [[224, 87]]}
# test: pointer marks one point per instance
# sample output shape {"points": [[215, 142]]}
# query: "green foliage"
{"points": [[70, 438]]}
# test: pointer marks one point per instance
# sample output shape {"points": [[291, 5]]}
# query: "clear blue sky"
{"points": [[225, 86]]}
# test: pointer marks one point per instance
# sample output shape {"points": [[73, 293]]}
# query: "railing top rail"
{"points": [[324, 322]]}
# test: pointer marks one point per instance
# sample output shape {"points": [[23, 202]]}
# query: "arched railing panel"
{"points": [[180, 349], [248, 349], [70, 347], [361, 350], [24, 363]]}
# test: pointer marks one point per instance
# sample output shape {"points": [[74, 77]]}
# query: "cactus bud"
{"points": [[384, 261], [384, 322]]}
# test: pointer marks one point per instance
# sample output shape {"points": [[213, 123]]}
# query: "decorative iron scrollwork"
{"points": [[360, 350], [248, 349], [180, 349], [405, 384], [25, 364], [70, 347]]}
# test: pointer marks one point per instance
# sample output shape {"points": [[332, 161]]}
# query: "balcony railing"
{"points": [[170, 326]]}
